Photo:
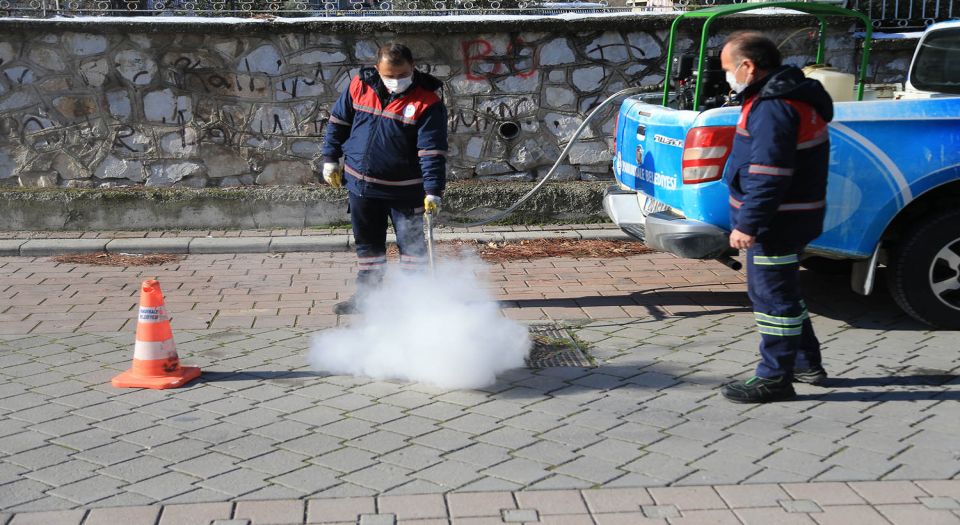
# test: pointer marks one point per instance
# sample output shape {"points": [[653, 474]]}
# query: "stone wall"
{"points": [[214, 104]]}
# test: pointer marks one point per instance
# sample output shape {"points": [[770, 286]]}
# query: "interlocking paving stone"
{"points": [[194, 513], [59, 517], [345, 510], [413, 507], [125, 515], [278, 511], [520, 515], [644, 417], [800, 506]]}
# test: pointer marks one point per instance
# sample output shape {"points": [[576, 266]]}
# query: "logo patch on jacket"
{"points": [[409, 111]]}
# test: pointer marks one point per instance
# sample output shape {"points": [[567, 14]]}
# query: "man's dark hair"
{"points": [[395, 54], [755, 47]]}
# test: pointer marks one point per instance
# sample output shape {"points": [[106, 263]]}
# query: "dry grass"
{"points": [[496, 252], [118, 259]]}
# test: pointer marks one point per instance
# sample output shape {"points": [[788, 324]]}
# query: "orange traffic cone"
{"points": [[155, 360]]}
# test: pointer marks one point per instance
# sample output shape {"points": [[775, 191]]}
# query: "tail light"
{"points": [[705, 153], [616, 124]]}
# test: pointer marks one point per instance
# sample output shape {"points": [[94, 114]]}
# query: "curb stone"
{"points": [[287, 244]]}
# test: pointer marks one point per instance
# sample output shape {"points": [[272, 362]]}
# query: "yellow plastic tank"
{"points": [[838, 84]]}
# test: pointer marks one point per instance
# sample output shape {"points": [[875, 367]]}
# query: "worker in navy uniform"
{"points": [[777, 175], [387, 142]]}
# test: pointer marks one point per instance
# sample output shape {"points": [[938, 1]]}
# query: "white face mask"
{"points": [[397, 85], [732, 80]]}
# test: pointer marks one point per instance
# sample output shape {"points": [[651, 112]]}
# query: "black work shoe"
{"points": [[811, 376], [759, 390], [346, 307]]}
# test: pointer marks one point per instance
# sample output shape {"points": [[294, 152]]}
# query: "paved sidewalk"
{"points": [[260, 425], [34, 244], [860, 503]]}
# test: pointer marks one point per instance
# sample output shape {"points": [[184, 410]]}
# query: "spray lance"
{"points": [[431, 219]]}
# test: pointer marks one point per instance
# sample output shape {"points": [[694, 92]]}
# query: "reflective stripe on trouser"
{"points": [[787, 340], [412, 263], [369, 218]]}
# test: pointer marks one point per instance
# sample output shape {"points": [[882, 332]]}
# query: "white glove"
{"points": [[333, 174], [431, 204]]}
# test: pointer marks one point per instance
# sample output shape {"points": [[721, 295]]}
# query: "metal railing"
{"points": [[900, 15], [291, 8], [907, 14]]}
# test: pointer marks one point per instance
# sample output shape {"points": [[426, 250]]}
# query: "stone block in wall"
{"points": [[307, 149], [493, 167], [525, 176], [588, 79], [70, 168], [234, 181], [596, 172], [557, 52], [263, 59], [192, 182], [180, 144], [459, 172], [85, 44], [22, 75], [112, 167], [593, 152], [8, 52], [95, 72], [462, 85], [559, 97], [166, 107], [38, 180], [564, 172], [564, 126], [135, 67], [48, 58], [18, 100], [286, 173], [118, 103], [76, 107], [169, 172], [644, 45], [608, 47], [222, 161], [532, 153], [8, 167]]}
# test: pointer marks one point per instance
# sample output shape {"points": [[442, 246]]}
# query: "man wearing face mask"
{"points": [[777, 175], [390, 129]]}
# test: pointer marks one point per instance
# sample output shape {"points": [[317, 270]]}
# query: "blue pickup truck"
{"points": [[894, 185]]}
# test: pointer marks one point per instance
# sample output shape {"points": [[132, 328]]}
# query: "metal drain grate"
{"points": [[553, 346]]}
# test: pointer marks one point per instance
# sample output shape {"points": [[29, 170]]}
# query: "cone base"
{"points": [[179, 378]]}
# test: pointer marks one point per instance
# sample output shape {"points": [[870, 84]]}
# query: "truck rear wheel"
{"points": [[924, 273]]}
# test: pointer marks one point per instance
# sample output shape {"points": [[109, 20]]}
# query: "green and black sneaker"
{"points": [[811, 376], [759, 390]]}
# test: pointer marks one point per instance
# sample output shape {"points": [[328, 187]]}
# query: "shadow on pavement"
{"points": [[826, 295], [830, 296], [928, 379], [901, 395], [269, 375], [658, 302]]}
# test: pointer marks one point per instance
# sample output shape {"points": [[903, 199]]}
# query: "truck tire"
{"points": [[826, 266], [923, 275]]}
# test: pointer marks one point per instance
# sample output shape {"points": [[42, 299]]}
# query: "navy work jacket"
{"points": [[777, 172], [394, 146]]}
